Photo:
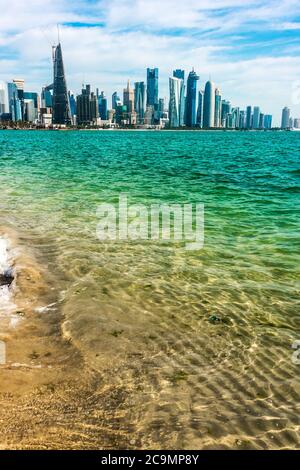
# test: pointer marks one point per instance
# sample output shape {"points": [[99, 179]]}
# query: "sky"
{"points": [[250, 49]]}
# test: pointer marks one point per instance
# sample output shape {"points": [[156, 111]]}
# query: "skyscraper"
{"points": [[178, 73], [87, 107], [20, 85], [115, 100], [14, 103], [102, 106], [285, 120], [200, 108], [61, 113], [268, 121], [256, 113], [2, 99], [152, 87], [261, 121], [209, 105], [225, 110], [139, 101], [175, 85], [128, 98], [191, 99], [249, 117], [218, 107]]}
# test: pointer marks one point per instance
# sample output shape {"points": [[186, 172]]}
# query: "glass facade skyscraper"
{"points": [[218, 107], [152, 87], [139, 100], [249, 117], [175, 85], [61, 113], [255, 121], [200, 109], [14, 103], [285, 118], [191, 100], [209, 105], [179, 73]]}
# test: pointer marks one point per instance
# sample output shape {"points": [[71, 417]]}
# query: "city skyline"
{"points": [[251, 51]]}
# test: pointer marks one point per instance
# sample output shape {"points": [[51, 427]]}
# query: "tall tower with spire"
{"points": [[61, 113]]}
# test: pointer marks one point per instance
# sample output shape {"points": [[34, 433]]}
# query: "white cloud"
{"points": [[140, 33]]}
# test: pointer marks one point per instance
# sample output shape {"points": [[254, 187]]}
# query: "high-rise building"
{"points": [[30, 112], [175, 85], [285, 119], [235, 117], [179, 73], [140, 101], [61, 113], [261, 121], [209, 105], [128, 98], [115, 100], [225, 110], [249, 117], [256, 113], [20, 85], [87, 107], [72, 101], [2, 99], [242, 121], [102, 106], [46, 97], [200, 108], [297, 123], [268, 121], [218, 108], [14, 103], [152, 87], [191, 99]]}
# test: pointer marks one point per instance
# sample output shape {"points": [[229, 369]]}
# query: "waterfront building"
{"points": [[61, 106], [175, 85], [285, 119], [20, 85], [102, 106], [115, 100], [261, 121], [72, 101], [179, 73], [297, 123], [268, 121], [200, 108], [225, 110], [152, 87], [140, 101], [191, 99], [218, 108], [30, 112], [249, 117], [149, 116], [87, 107], [128, 98], [46, 97], [235, 118], [255, 121], [242, 120], [209, 105], [3, 99], [14, 103]]}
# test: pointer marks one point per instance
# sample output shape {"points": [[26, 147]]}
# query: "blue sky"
{"points": [[251, 49]]}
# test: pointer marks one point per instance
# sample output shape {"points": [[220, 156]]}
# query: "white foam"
{"points": [[7, 306]]}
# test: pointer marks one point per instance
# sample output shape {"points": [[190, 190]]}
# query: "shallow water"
{"points": [[197, 342]]}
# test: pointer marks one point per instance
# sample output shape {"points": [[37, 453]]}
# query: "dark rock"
{"points": [[6, 278]]}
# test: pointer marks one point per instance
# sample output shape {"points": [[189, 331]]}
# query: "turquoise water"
{"points": [[201, 339]]}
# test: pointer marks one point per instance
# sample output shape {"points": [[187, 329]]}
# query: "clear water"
{"points": [[140, 312]]}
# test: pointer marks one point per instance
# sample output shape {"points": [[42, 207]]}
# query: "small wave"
{"points": [[7, 306]]}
